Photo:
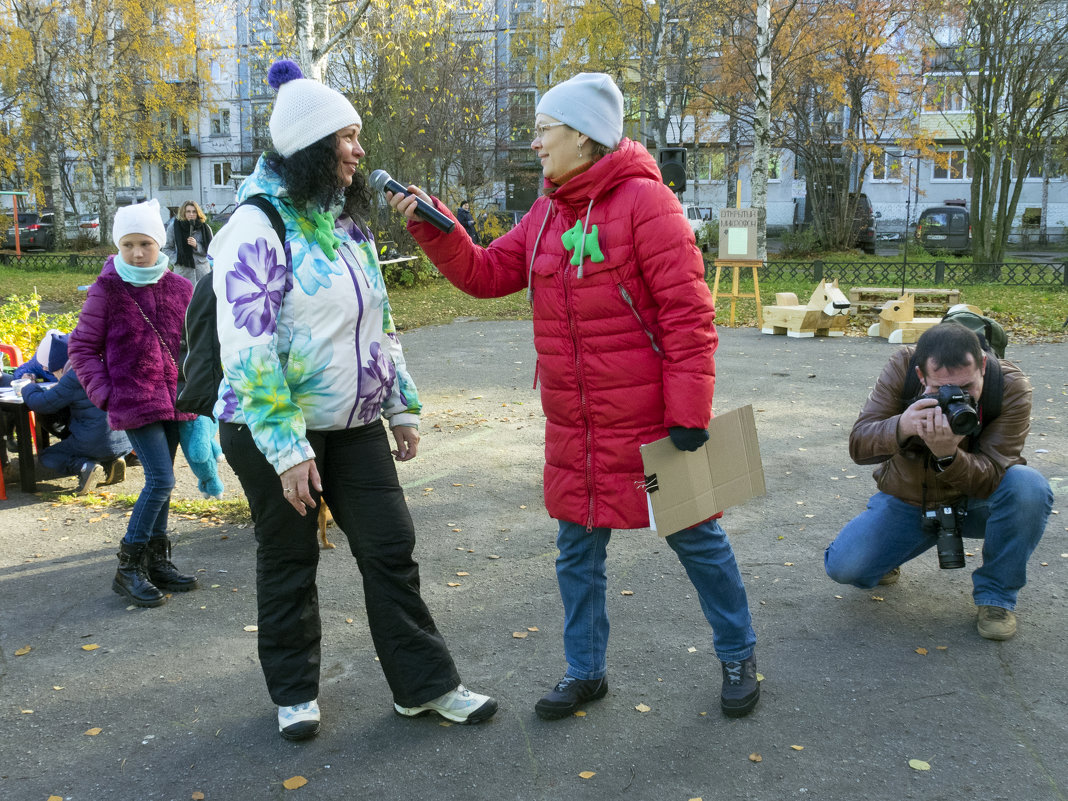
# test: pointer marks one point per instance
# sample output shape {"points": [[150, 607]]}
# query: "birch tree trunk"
{"points": [[762, 125]]}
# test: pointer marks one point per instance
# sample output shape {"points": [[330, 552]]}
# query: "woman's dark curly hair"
{"points": [[310, 177]]}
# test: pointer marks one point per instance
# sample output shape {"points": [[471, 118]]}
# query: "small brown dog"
{"points": [[325, 519]]}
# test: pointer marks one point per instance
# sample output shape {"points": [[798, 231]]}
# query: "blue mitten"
{"points": [[197, 438], [687, 439]]}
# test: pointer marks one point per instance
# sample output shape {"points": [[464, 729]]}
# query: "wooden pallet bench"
{"points": [[870, 299]]}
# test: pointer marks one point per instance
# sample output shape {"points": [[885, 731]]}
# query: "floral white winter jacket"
{"points": [[305, 330]]}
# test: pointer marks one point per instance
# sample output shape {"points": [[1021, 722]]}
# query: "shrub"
{"points": [[800, 243], [410, 273], [23, 325]]}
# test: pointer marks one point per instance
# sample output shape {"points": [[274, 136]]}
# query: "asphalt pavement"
{"points": [[124, 704]]}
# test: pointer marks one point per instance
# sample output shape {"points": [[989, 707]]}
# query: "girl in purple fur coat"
{"points": [[124, 350]]}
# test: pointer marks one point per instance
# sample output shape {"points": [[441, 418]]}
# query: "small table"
{"points": [[24, 428]]}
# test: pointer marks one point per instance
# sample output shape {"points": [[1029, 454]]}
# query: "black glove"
{"points": [[688, 439]]}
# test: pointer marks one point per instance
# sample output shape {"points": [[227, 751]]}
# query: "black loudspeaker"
{"points": [[672, 161]]}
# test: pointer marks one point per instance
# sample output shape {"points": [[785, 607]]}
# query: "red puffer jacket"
{"points": [[625, 350]]}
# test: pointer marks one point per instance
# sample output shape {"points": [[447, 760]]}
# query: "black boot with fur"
{"points": [[131, 580], [162, 572]]}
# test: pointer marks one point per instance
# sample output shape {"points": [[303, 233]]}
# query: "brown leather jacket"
{"points": [[902, 471]]}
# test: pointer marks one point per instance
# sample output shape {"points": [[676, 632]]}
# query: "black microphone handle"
{"points": [[422, 208]]}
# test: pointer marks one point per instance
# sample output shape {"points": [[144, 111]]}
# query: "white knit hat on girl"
{"points": [[140, 218], [591, 103], [305, 110]]}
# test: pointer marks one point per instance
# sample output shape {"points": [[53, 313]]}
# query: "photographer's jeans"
{"points": [[703, 550], [889, 533]]}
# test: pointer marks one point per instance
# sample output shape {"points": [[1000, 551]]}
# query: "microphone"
{"points": [[381, 180]]}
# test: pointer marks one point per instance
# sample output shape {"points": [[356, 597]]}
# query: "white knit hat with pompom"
{"points": [[305, 110]]}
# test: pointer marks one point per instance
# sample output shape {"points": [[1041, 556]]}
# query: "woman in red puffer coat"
{"points": [[623, 328]]}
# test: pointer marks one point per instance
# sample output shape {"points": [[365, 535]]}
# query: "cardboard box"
{"points": [[685, 488]]}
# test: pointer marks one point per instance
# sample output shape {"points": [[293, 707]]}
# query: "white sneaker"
{"points": [[459, 705], [299, 722]]}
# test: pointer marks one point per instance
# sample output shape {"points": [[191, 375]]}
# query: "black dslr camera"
{"points": [[958, 407], [943, 522]]}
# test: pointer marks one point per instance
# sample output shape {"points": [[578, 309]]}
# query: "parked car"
{"points": [[35, 232], [88, 226], [947, 228], [697, 216]]}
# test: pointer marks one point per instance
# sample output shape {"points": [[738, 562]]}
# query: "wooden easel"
{"points": [[736, 265]]}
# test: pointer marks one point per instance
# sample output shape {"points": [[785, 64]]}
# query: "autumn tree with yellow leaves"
{"points": [[1007, 61], [102, 82]]}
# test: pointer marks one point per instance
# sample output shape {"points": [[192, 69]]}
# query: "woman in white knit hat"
{"points": [[124, 351], [625, 340], [312, 365]]}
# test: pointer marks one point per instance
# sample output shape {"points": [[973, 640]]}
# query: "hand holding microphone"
{"points": [[381, 180]]}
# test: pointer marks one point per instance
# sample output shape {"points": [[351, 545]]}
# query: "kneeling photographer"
{"points": [[946, 424]]}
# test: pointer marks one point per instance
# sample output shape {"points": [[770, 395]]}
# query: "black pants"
{"points": [[361, 488]]}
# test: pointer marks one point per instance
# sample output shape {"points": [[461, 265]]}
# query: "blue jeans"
{"points": [[155, 445], [709, 561], [888, 533]]}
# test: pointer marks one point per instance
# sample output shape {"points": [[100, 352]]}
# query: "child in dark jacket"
{"points": [[124, 349], [92, 451]]}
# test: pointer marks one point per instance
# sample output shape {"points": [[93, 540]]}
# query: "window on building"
{"points": [[220, 122], [521, 116], [260, 127], [127, 174], [179, 178], [775, 166], [177, 130], [799, 167], [886, 168], [952, 165], [709, 165], [220, 173], [944, 93], [521, 57]]}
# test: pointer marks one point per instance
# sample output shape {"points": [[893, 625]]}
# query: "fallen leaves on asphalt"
{"points": [[919, 764], [294, 782]]}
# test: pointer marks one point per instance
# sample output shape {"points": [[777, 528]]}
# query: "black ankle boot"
{"points": [[162, 572], [130, 579]]}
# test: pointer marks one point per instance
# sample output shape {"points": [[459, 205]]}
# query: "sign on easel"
{"points": [[738, 234]]}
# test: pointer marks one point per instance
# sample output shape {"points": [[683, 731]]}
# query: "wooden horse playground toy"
{"points": [[898, 322], [824, 315]]}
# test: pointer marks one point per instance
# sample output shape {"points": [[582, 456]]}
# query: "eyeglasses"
{"points": [[539, 130]]}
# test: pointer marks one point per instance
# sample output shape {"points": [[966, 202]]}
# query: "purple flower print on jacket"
{"points": [[376, 383], [256, 286]]}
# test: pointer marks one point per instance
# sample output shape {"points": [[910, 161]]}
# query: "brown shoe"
{"points": [[116, 471], [996, 623], [891, 577]]}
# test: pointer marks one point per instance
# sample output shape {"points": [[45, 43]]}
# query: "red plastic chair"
{"points": [[14, 359]]}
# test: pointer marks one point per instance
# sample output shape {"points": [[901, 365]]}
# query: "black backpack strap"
{"points": [[267, 207], [993, 390]]}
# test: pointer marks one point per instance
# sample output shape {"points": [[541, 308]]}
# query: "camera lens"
{"points": [[963, 419], [950, 549]]}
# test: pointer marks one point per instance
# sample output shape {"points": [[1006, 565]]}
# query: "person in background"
{"points": [[91, 451], [467, 220], [188, 237], [625, 341], [124, 351], [312, 365]]}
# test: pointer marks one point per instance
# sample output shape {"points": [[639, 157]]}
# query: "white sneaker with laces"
{"points": [[299, 722], [459, 705]]}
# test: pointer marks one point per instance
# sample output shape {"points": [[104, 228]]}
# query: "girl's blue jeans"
{"points": [[709, 561], [889, 533], [155, 446]]}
